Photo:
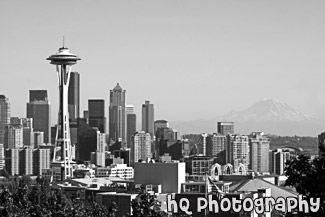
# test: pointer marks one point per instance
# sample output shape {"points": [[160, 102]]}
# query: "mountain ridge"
{"points": [[269, 115]]}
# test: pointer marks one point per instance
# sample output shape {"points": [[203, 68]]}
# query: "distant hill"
{"points": [[268, 115]]}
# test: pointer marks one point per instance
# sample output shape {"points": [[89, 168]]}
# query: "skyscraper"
{"points": [[131, 127], [4, 116], [39, 108], [37, 95], [41, 160], [96, 108], [259, 152], [159, 124], [148, 116], [225, 128], [74, 96], [12, 161], [13, 136], [26, 161], [140, 146], [27, 124], [216, 146], [117, 125], [238, 151], [131, 122]]}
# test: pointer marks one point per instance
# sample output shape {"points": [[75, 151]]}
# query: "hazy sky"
{"points": [[191, 59]]}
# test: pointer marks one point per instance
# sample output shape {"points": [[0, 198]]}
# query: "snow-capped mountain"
{"points": [[268, 115], [268, 109]]}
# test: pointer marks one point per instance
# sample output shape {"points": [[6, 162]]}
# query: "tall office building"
{"points": [[131, 122], [39, 109], [26, 161], [131, 127], [41, 159], [74, 96], [117, 122], [238, 151], [140, 146], [216, 146], [4, 116], [87, 140], [13, 136], [277, 161], [27, 124], [37, 95], [96, 108], [164, 137], [148, 118], [225, 128], [12, 161], [2, 157], [37, 139], [101, 142], [259, 146], [160, 124]]}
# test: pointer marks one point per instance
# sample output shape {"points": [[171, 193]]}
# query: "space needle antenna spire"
{"points": [[63, 60]]}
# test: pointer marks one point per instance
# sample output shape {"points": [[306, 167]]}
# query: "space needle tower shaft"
{"points": [[63, 61]]}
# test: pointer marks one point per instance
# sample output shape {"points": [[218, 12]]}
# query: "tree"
{"points": [[145, 205], [308, 177], [40, 200]]}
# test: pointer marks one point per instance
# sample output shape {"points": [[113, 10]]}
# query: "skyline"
{"points": [[192, 60]]}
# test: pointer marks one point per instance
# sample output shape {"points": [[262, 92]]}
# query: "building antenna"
{"points": [[63, 41]]}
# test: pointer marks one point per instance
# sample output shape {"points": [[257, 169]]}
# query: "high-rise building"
{"points": [[74, 96], [117, 122], [2, 157], [96, 108], [238, 151], [131, 127], [39, 108], [27, 124], [87, 140], [4, 116], [12, 161], [124, 154], [140, 146], [160, 124], [13, 136], [216, 146], [259, 146], [26, 161], [164, 137], [225, 128], [130, 123], [37, 139], [101, 142], [41, 159], [37, 95], [277, 161], [148, 118]]}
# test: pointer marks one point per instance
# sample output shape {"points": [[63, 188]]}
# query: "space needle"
{"points": [[63, 60]]}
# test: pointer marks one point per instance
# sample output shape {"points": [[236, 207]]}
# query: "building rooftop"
{"points": [[117, 87], [249, 185]]}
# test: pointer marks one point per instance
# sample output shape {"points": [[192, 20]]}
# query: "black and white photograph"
{"points": [[162, 108]]}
